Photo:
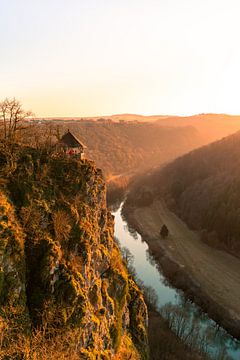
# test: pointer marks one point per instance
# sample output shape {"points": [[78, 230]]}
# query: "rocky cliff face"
{"points": [[60, 269]]}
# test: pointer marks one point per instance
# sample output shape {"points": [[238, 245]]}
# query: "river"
{"points": [[220, 345]]}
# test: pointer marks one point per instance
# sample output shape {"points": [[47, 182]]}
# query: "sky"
{"points": [[103, 57]]}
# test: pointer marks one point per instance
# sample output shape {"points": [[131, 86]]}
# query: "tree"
{"points": [[164, 231], [150, 297], [12, 117], [129, 260], [127, 256]]}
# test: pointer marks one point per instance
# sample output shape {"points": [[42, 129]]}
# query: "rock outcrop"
{"points": [[60, 270]]}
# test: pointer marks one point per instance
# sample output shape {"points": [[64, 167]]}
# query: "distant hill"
{"points": [[140, 118], [211, 126], [116, 117], [203, 188]]}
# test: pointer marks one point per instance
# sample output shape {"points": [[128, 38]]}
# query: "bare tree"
{"points": [[150, 297], [12, 117], [127, 256]]}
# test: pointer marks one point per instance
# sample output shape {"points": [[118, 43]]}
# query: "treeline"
{"points": [[203, 188]]}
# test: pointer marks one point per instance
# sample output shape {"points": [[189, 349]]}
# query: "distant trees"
{"points": [[203, 188], [12, 116]]}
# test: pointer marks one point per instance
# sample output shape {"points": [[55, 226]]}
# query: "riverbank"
{"points": [[164, 343], [211, 278], [116, 187], [199, 338]]}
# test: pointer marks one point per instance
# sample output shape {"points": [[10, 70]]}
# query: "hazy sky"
{"points": [[96, 57]]}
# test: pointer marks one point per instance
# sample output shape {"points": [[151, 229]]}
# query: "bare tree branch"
{"points": [[12, 116]]}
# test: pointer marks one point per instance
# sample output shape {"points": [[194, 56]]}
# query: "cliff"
{"points": [[64, 290]]}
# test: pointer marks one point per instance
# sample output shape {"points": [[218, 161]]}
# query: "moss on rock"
{"points": [[67, 256]]}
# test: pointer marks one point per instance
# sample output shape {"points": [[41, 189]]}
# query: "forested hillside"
{"points": [[119, 148], [123, 144], [212, 127], [203, 188]]}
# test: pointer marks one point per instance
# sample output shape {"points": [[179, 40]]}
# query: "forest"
{"points": [[203, 188], [120, 147]]}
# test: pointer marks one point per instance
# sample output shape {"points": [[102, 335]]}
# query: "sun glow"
{"points": [[96, 58]]}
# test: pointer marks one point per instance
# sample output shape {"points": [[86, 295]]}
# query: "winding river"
{"points": [[221, 344]]}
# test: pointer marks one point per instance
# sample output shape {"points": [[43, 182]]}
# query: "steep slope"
{"points": [[13, 307], [61, 267], [202, 187]]}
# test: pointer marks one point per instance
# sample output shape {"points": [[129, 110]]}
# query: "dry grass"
{"points": [[40, 346]]}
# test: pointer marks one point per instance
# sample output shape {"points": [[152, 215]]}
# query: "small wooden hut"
{"points": [[72, 145]]}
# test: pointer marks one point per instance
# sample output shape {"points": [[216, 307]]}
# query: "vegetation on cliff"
{"points": [[64, 289]]}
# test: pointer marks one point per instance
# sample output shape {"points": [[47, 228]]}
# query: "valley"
{"points": [[120, 180], [210, 277], [122, 147], [152, 167], [153, 267], [196, 197], [138, 163]]}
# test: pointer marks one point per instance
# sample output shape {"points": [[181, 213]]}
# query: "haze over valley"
{"points": [[168, 177], [133, 143], [119, 180]]}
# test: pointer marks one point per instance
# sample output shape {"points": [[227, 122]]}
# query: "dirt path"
{"points": [[216, 272]]}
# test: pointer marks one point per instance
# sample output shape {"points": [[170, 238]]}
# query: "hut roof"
{"points": [[71, 140]]}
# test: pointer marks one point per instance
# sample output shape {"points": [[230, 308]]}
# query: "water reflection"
{"points": [[185, 318], [196, 329], [150, 258]]}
